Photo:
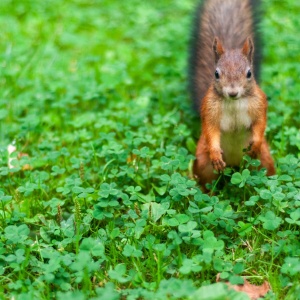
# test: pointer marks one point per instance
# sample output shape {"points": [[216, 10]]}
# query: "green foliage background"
{"points": [[95, 93]]}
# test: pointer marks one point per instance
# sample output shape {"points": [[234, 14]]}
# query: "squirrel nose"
{"points": [[233, 94]]}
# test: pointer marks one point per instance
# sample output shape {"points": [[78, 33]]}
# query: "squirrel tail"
{"points": [[257, 37], [232, 21]]}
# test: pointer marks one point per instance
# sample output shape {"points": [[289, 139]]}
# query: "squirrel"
{"points": [[233, 108]]}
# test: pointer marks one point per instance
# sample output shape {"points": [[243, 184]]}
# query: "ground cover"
{"points": [[102, 206]]}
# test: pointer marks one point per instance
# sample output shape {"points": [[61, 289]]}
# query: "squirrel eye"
{"points": [[249, 74], [217, 75]]}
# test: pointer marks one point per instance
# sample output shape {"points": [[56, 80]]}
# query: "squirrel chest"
{"points": [[235, 124]]}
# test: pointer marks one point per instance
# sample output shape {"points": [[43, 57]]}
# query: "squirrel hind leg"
{"points": [[266, 159]]}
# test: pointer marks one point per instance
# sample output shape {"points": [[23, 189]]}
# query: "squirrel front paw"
{"points": [[217, 161], [218, 164], [253, 151], [252, 154]]}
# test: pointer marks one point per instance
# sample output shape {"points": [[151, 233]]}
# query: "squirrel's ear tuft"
{"points": [[218, 49], [248, 49]]}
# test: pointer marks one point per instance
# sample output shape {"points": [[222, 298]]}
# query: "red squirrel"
{"points": [[233, 108]]}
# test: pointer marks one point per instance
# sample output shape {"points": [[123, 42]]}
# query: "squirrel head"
{"points": [[234, 70]]}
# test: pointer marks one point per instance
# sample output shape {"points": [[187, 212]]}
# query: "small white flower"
{"points": [[10, 149]]}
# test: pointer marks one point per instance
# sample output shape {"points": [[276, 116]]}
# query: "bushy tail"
{"points": [[232, 21]]}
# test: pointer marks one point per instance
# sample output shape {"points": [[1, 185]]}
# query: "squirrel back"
{"points": [[232, 21]]}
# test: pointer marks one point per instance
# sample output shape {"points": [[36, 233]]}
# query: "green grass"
{"points": [[95, 93]]}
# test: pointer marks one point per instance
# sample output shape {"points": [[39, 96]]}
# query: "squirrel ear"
{"points": [[218, 49], [248, 49]]}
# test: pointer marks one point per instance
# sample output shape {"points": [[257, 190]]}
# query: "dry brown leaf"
{"points": [[26, 166], [131, 159], [21, 154], [252, 290]]}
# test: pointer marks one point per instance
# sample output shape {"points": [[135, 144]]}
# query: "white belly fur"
{"points": [[235, 130]]}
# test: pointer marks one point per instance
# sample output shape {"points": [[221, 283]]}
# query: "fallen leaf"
{"points": [[132, 158], [26, 166], [252, 290], [21, 154]]}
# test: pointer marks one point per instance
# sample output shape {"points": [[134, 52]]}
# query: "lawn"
{"points": [[98, 201]]}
